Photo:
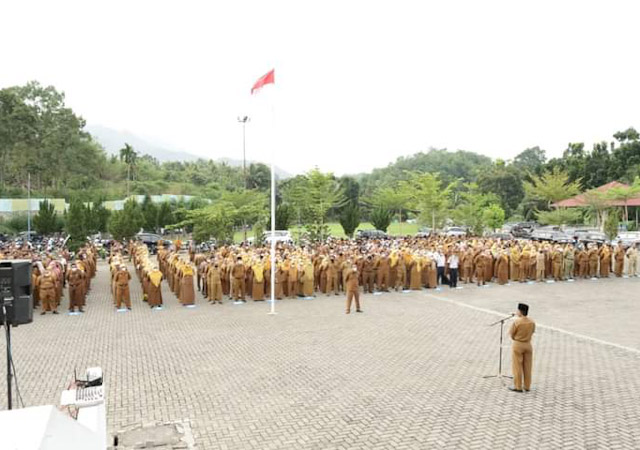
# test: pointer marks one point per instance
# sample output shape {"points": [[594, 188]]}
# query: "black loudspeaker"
{"points": [[15, 292]]}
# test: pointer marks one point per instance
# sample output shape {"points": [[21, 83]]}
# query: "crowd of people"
{"points": [[334, 267], [52, 270], [399, 264]]}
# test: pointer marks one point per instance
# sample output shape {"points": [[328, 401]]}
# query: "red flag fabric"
{"points": [[267, 78]]}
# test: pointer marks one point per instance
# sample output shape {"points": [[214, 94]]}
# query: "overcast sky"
{"points": [[358, 83]]}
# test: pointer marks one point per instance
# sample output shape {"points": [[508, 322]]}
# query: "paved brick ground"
{"points": [[406, 374]]}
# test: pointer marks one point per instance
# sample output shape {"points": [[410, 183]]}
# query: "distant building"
{"points": [[10, 206]]}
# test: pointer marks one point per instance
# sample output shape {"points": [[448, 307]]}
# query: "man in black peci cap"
{"points": [[521, 332]]}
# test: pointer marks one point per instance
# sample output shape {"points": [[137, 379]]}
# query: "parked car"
{"points": [[560, 237], [628, 238], [523, 229], [151, 240], [500, 235], [279, 236], [542, 234], [589, 236], [371, 234], [455, 232], [424, 232]]}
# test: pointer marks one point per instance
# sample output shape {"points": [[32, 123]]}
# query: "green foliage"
{"points": [[428, 196], [284, 214], [351, 189], [259, 177], [559, 216], [149, 213], [350, 219], [611, 224], [126, 223], [477, 210], [506, 183], [381, 218], [494, 216], [41, 136], [214, 220], [450, 166], [552, 186], [312, 195], [17, 223], [165, 215], [46, 221], [75, 224], [258, 233], [531, 160], [247, 206], [624, 194]]}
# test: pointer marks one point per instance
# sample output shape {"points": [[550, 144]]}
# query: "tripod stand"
{"points": [[7, 327], [500, 376]]}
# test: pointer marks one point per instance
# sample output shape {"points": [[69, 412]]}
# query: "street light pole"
{"points": [[243, 120], [29, 207]]}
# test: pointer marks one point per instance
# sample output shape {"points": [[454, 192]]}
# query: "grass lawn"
{"points": [[335, 229]]}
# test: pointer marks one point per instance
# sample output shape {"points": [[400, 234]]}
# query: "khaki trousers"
{"points": [[521, 364], [353, 295]]}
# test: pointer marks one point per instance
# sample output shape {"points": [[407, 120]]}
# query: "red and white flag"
{"points": [[267, 78]]}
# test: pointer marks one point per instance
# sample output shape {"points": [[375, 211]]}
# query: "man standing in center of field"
{"points": [[353, 292]]}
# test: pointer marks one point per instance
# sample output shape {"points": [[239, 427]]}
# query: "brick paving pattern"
{"points": [[406, 374]]}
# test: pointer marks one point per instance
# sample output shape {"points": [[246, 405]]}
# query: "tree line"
{"points": [[41, 136]]}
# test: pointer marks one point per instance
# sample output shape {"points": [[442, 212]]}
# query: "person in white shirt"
{"points": [[453, 261], [440, 264]]}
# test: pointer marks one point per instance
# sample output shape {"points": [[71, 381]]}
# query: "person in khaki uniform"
{"points": [[521, 332], [605, 261], [569, 256], [75, 279], [238, 274], [618, 260], [632, 261], [593, 261], [353, 292], [47, 289], [214, 282], [557, 257], [382, 266], [479, 262], [290, 286], [367, 275], [539, 265], [122, 278], [502, 267]]}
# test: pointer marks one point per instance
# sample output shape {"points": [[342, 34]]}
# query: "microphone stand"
{"points": [[500, 376]]}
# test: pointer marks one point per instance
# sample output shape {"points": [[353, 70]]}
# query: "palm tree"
{"points": [[129, 156]]}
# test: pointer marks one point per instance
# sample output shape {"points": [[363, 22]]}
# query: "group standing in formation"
{"points": [[52, 271]]}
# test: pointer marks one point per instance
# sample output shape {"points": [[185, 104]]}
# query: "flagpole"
{"points": [[273, 214]]}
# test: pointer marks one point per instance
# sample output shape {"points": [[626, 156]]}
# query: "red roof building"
{"points": [[579, 200]]}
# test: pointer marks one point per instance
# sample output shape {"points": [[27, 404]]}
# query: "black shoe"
{"points": [[43, 313], [129, 309], [359, 310], [515, 390], [527, 390], [55, 312], [81, 310]]}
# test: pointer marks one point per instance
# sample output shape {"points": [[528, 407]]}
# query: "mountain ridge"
{"points": [[113, 140]]}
